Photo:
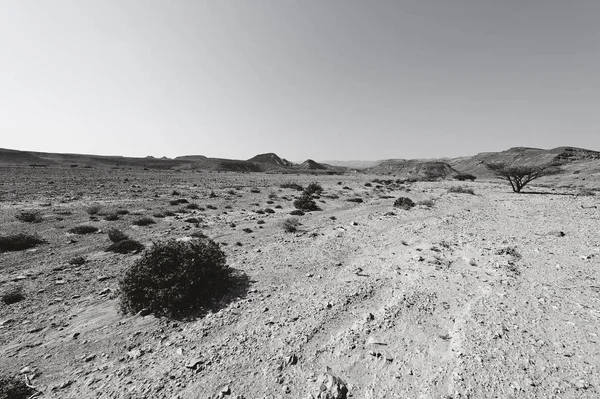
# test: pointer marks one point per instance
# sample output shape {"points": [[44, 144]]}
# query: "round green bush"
{"points": [[176, 279]]}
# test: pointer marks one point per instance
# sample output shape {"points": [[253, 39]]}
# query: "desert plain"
{"points": [[486, 295]]}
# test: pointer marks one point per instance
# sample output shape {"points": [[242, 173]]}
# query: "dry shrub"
{"points": [[461, 190], [290, 225], [31, 216], [19, 242], [404, 203], [144, 221], [176, 279], [83, 229]]}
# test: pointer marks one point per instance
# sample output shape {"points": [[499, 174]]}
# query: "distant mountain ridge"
{"points": [[570, 158]]}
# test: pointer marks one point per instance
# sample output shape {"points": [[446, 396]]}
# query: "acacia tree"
{"points": [[520, 175]]}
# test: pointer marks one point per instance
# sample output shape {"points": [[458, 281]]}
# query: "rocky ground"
{"points": [[492, 295]]}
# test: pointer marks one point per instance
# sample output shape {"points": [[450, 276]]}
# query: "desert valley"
{"points": [[400, 280]]}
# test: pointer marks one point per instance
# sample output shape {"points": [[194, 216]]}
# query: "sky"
{"points": [[319, 79]]}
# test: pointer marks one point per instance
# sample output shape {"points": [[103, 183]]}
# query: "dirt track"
{"points": [[475, 297]]}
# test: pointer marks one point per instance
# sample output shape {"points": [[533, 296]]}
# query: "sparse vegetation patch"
{"points": [[404, 203], [19, 242], [461, 190], [144, 221], [290, 225], [29, 216], [83, 229], [306, 203]]}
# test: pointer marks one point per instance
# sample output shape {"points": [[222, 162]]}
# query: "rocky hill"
{"points": [[271, 159]]}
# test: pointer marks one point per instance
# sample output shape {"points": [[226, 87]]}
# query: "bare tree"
{"points": [[520, 175]]}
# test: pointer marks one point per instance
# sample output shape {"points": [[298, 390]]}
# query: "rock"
{"points": [[134, 354], [20, 277], [332, 387], [105, 291], [556, 233], [194, 363], [89, 358], [143, 312], [6, 322], [26, 370], [103, 278], [63, 385], [224, 391], [59, 282], [290, 360], [373, 341]]}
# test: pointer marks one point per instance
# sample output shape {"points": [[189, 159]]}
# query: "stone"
{"points": [[332, 387]]}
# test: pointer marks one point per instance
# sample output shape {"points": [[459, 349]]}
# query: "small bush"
{"points": [[211, 207], [193, 205], [306, 203], [122, 212], [116, 235], [278, 207], [260, 211], [178, 201], [19, 242], [255, 190], [145, 221], [585, 192], [12, 295], [290, 225], [176, 279], [83, 229], [192, 220], [14, 388], [29, 216], [357, 200], [313, 188], [93, 209], [368, 185], [297, 212], [292, 185], [465, 177], [168, 213], [512, 251], [111, 217], [247, 230], [404, 203], [125, 246], [269, 210], [461, 190]]}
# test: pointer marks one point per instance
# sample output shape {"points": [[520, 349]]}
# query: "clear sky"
{"points": [[320, 79]]}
